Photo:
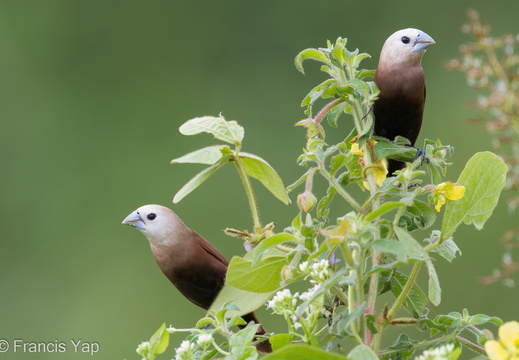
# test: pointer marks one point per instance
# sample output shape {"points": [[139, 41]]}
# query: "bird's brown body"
{"points": [[188, 260], [200, 284], [400, 78]]}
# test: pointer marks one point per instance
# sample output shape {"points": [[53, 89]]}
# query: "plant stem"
{"points": [[405, 291], [420, 345], [248, 190], [341, 191], [351, 308], [471, 345], [327, 108]]}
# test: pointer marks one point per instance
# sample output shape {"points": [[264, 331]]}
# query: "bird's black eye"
{"points": [[405, 39], [152, 216]]}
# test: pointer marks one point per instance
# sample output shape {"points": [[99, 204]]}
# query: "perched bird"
{"points": [[188, 260], [400, 79]]}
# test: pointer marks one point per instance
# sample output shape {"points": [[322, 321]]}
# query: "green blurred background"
{"points": [[92, 95]]}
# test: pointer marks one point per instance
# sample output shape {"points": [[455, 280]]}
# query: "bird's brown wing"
{"points": [[202, 283], [209, 249]]}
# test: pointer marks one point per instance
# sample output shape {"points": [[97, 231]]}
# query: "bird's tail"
{"points": [[264, 346]]}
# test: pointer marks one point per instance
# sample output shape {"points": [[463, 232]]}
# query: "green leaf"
{"points": [[229, 131], [244, 353], [334, 114], [362, 352], [208, 156], [244, 336], [261, 278], [348, 317], [261, 170], [425, 323], [448, 250], [280, 340], [299, 181], [246, 301], [435, 291], [159, 341], [323, 205], [304, 352], [312, 54], [385, 149], [388, 206], [404, 345], [334, 279], [480, 319], [392, 247], [416, 301], [270, 242], [422, 215], [199, 179], [452, 319], [413, 249], [484, 177]]}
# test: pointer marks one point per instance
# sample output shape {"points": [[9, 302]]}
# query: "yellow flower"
{"points": [[379, 168], [356, 150], [379, 172], [447, 191], [507, 347]]}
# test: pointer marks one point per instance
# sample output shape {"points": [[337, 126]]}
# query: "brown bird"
{"points": [[400, 78], [188, 260]]}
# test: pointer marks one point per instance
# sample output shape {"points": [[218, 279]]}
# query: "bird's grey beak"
{"points": [[135, 220], [423, 41]]}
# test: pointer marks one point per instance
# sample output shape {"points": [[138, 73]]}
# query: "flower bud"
{"points": [[306, 201]]}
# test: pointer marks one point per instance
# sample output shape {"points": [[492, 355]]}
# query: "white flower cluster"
{"points": [[283, 302], [319, 271], [440, 353], [185, 351], [204, 340], [144, 349]]}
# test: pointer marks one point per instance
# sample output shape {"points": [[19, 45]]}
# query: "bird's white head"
{"points": [[405, 46], [158, 223]]}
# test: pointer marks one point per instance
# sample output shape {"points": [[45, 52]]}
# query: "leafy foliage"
{"points": [[375, 246]]}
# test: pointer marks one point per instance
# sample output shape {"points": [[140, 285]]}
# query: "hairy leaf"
{"points": [[362, 352], [303, 352], [269, 243], [208, 155], [484, 177], [416, 301], [313, 54], [383, 209], [435, 291], [280, 340], [246, 301], [261, 170], [263, 277], [229, 131], [199, 179]]}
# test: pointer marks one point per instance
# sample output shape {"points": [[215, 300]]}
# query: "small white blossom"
{"points": [[440, 353], [304, 267], [185, 351], [309, 293], [204, 340], [320, 271], [283, 302], [295, 321], [144, 348]]}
